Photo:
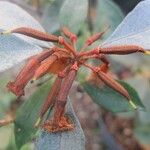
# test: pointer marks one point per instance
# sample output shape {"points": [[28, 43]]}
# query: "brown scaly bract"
{"points": [[64, 61]]}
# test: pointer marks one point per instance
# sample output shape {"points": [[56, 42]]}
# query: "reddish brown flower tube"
{"points": [[113, 84], [35, 34], [121, 50], [26, 74]]}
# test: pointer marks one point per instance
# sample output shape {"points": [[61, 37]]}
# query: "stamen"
{"points": [[147, 52], [38, 122], [132, 104]]}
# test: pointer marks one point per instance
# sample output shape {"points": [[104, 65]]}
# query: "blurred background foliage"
{"points": [[130, 130]]}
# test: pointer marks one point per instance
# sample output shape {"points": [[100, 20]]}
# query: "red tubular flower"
{"points": [[26, 74]]}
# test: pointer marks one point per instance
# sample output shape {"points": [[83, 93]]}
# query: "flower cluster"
{"points": [[64, 61]]}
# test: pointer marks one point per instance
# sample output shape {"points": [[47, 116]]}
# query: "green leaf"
{"points": [[108, 13], [50, 19], [73, 14], [27, 115], [110, 99]]}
